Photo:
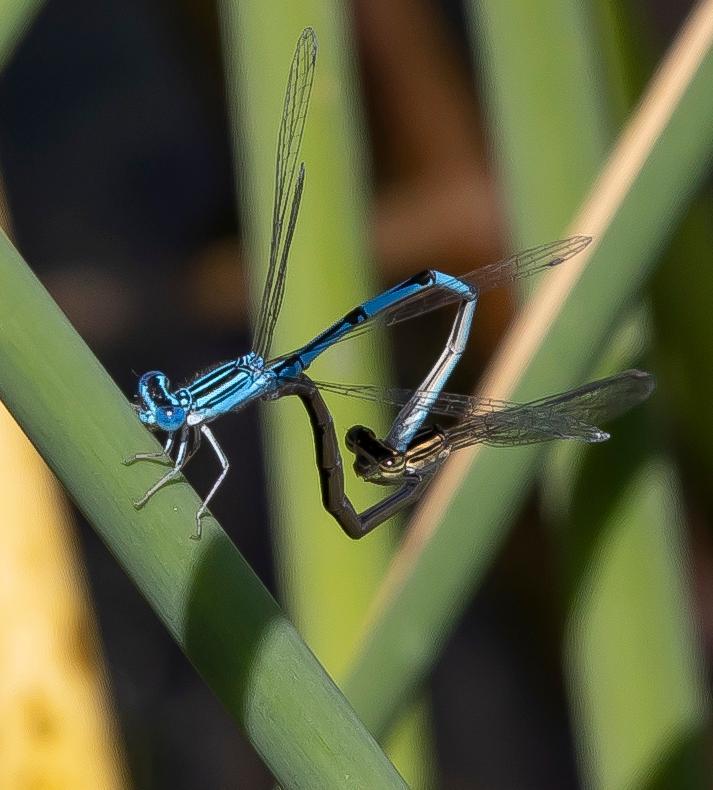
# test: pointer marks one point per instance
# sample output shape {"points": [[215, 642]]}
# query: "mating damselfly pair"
{"points": [[411, 452]]}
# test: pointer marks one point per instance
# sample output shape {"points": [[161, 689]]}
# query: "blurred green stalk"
{"points": [[326, 579], [545, 106], [457, 533]]}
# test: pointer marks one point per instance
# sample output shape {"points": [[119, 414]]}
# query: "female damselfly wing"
{"points": [[595, 402], [574, 415]]}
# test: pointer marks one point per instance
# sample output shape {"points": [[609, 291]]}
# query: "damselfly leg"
{"points": [[172, 474], [225, 464], [164, 456], [188, 445]]}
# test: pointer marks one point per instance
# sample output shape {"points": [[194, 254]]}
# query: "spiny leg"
{"points": [[172, 474], [205, 430], [162, 457]]}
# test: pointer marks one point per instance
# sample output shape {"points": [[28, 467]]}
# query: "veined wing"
{"points": [[486, 278], [448, 404], [588, 405], [495, 275], [570, 415], [483, 420], [289, 182], [601, 400], [521, 425]]}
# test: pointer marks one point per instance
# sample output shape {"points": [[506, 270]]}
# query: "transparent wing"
{"points": [[495, 275], [486, 278], [288, 185], [486, 420], [270, 309], [601, 400], [519, 426], [448, 404], [568, 415]]}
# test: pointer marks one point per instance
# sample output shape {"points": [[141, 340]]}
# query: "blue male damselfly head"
{"points": [[159, 408]]}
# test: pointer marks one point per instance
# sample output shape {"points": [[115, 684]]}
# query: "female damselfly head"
{"points": [[158, 407], [375, 461]]}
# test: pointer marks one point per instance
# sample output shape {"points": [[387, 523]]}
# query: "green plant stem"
{"points": [[203, 591]]}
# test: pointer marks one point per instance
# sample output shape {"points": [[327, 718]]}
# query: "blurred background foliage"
{"points": [[136, 151]]}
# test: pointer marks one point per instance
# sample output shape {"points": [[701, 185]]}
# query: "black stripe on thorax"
{"points": [[212, 378], [214, 397]]}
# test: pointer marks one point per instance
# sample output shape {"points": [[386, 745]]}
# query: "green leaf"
{"points": [[204, 592]]}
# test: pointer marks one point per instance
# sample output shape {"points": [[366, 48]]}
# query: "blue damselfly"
{"points": [[185, 413]]}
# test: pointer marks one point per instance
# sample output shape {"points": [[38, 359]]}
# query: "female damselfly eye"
{"points": [[358, 436]]}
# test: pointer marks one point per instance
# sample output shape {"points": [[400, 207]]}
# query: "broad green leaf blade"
{"points": [[609, 672], [660, 161], [204, 592], [632, 658]]}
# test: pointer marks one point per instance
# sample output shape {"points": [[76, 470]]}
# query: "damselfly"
{"points": [[573, 415], [184, 413]]}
